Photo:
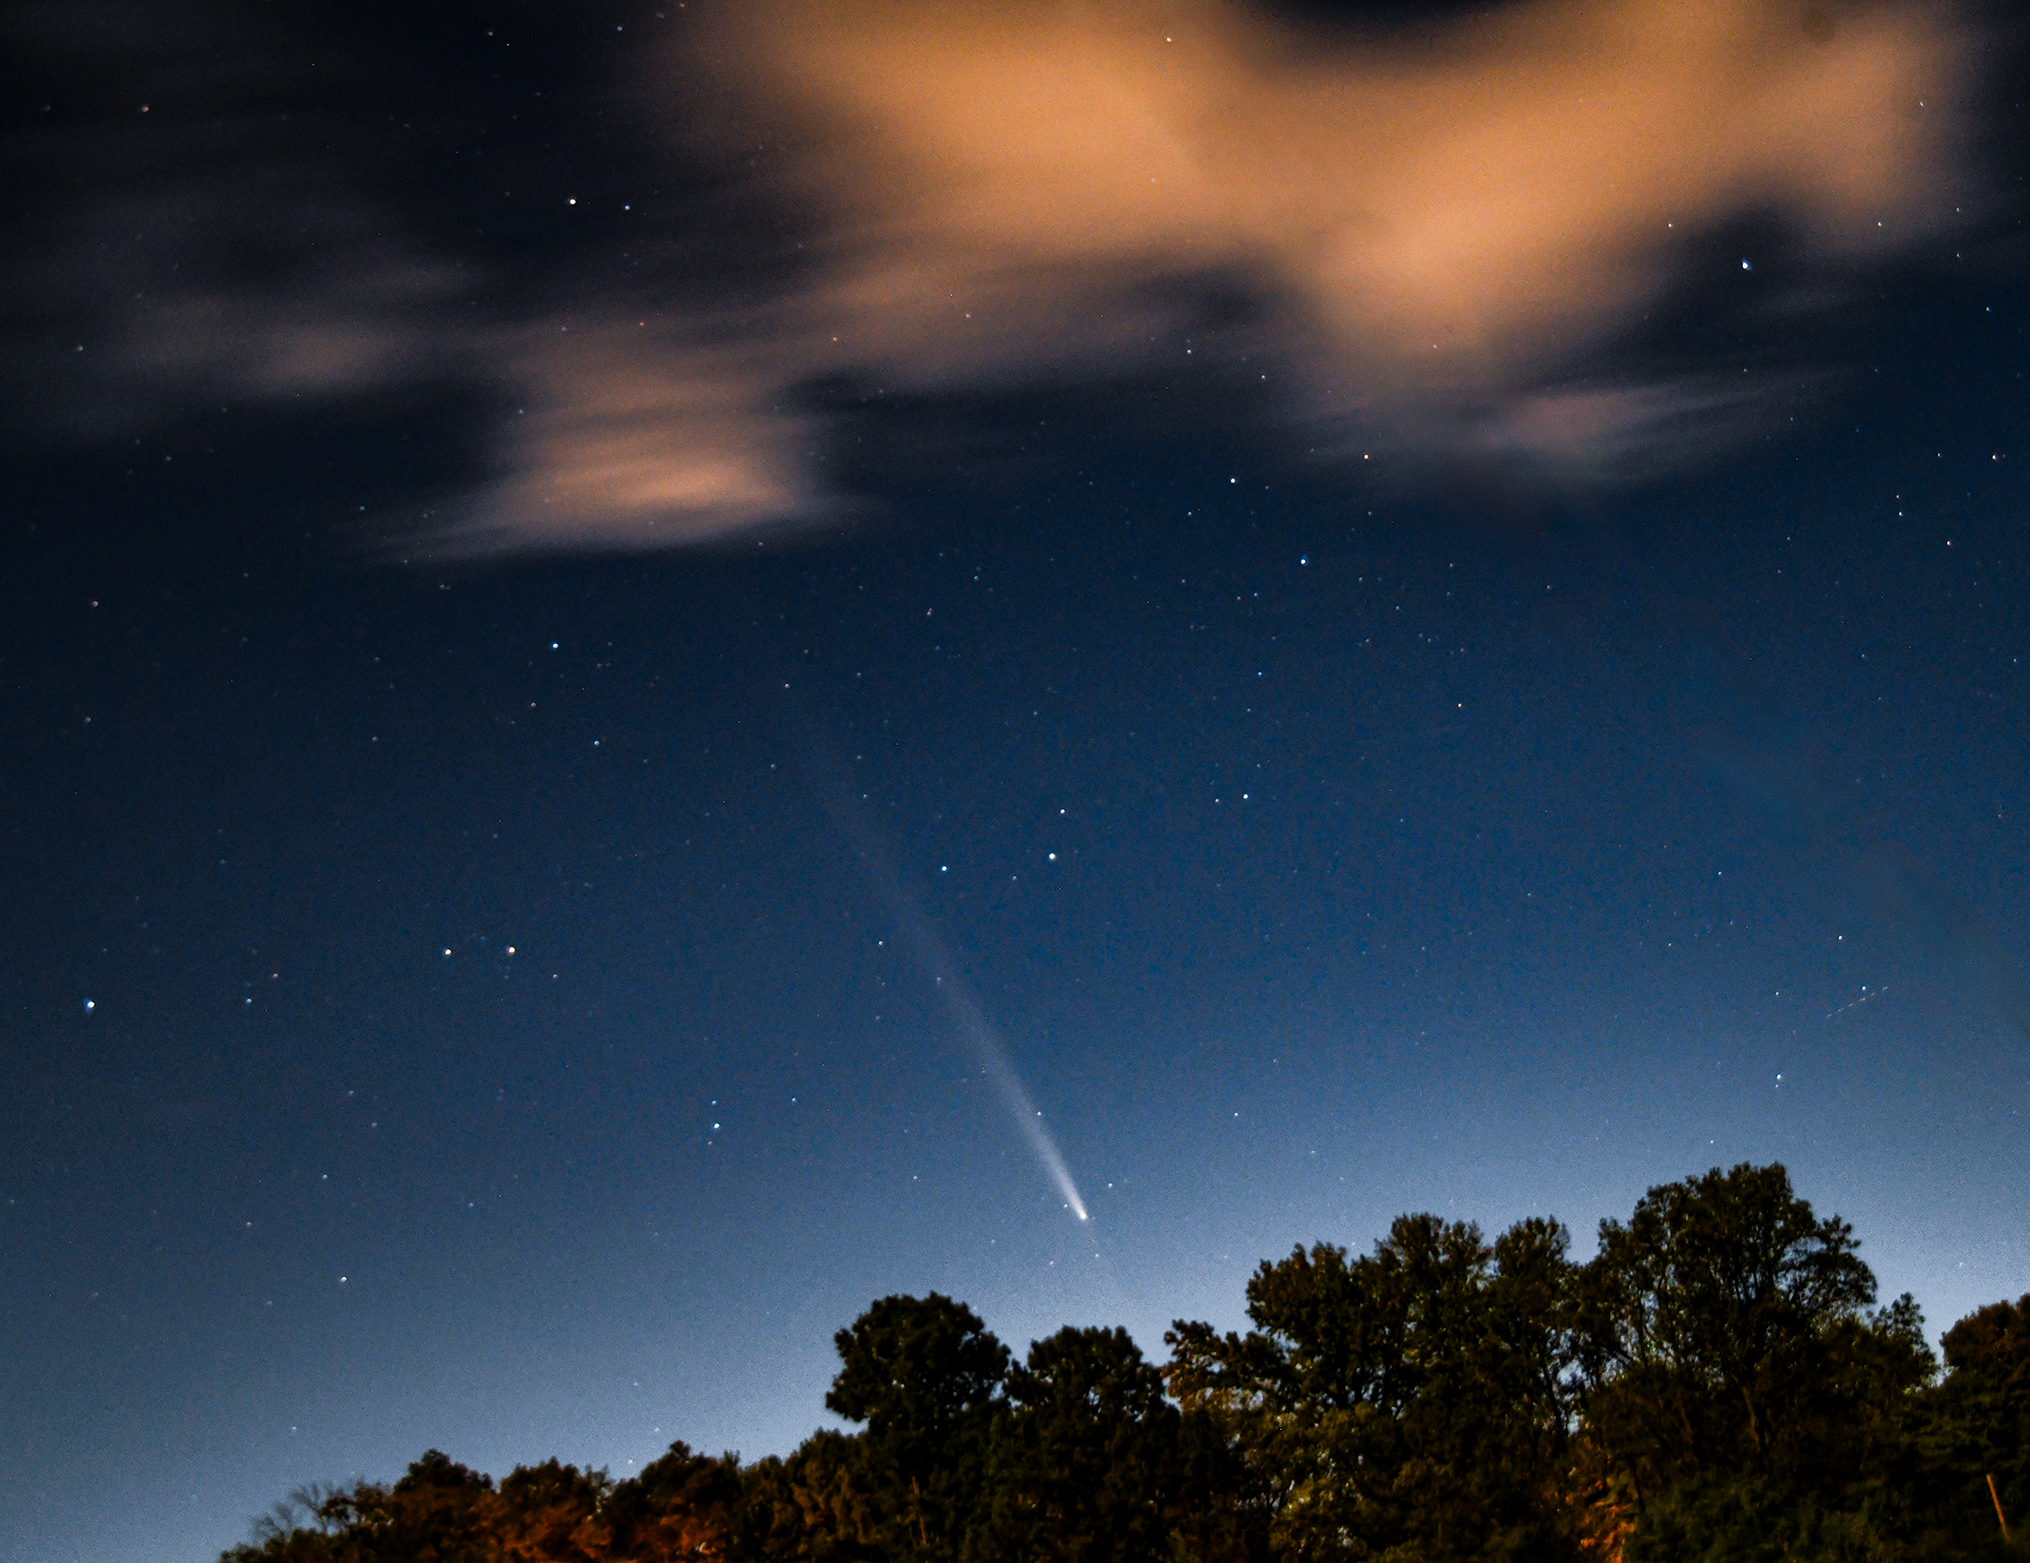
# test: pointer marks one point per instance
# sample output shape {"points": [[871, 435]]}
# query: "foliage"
{"points": [[1740, 1395], [1714, 1384], [1414, 1402], [925, 1375], [1717, 1328], [1979, 1421], [1085, 1466]]}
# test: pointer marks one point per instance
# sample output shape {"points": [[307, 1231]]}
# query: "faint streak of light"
{"points": [[1864, 998], [981, 1035]]}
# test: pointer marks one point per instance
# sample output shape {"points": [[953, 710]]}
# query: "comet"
{"points": [[969, 1018], [983, 1040]]}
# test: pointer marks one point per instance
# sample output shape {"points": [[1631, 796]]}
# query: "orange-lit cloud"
{"points": [[1497, 194], [1446, 236], [1438, 229]]}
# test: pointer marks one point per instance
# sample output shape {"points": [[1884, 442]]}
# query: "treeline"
{"points": [[1716, 1384]]}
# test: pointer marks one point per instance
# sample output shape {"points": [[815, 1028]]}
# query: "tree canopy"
{"points": [[1715, 1383]]}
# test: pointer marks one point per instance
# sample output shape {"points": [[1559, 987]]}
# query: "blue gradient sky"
{"points": [[1324, 844]]}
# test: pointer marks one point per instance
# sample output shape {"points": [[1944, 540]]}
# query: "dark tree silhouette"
{"points": [[1713, 1387], [1704, 1315], [925, 1375], [679, 1506], [1979, 1426], [1739, 1392], [1085, 1463], [1415, 1399]]}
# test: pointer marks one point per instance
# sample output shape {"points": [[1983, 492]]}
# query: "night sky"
{"points": [[665, 671]]}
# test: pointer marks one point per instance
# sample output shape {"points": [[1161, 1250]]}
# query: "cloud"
{"points": [[188, 241], [1437, 230], [1450, 239], [1497, 194], [631, 443]]}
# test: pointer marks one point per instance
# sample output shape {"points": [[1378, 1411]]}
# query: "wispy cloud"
{"points": [[1446, 237]]}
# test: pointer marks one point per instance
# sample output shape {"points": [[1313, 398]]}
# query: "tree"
{"points": [[1740, 1395], [1993, 1342], [550, 1513], [680, 1506], [1713, 1387], [1085, 1463], [306, 1527], [438, 1511], [1415, 1399], [1979, 1422], [816, 1506], [1225, 1504], [1706, 1326], [925, 1375]]}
